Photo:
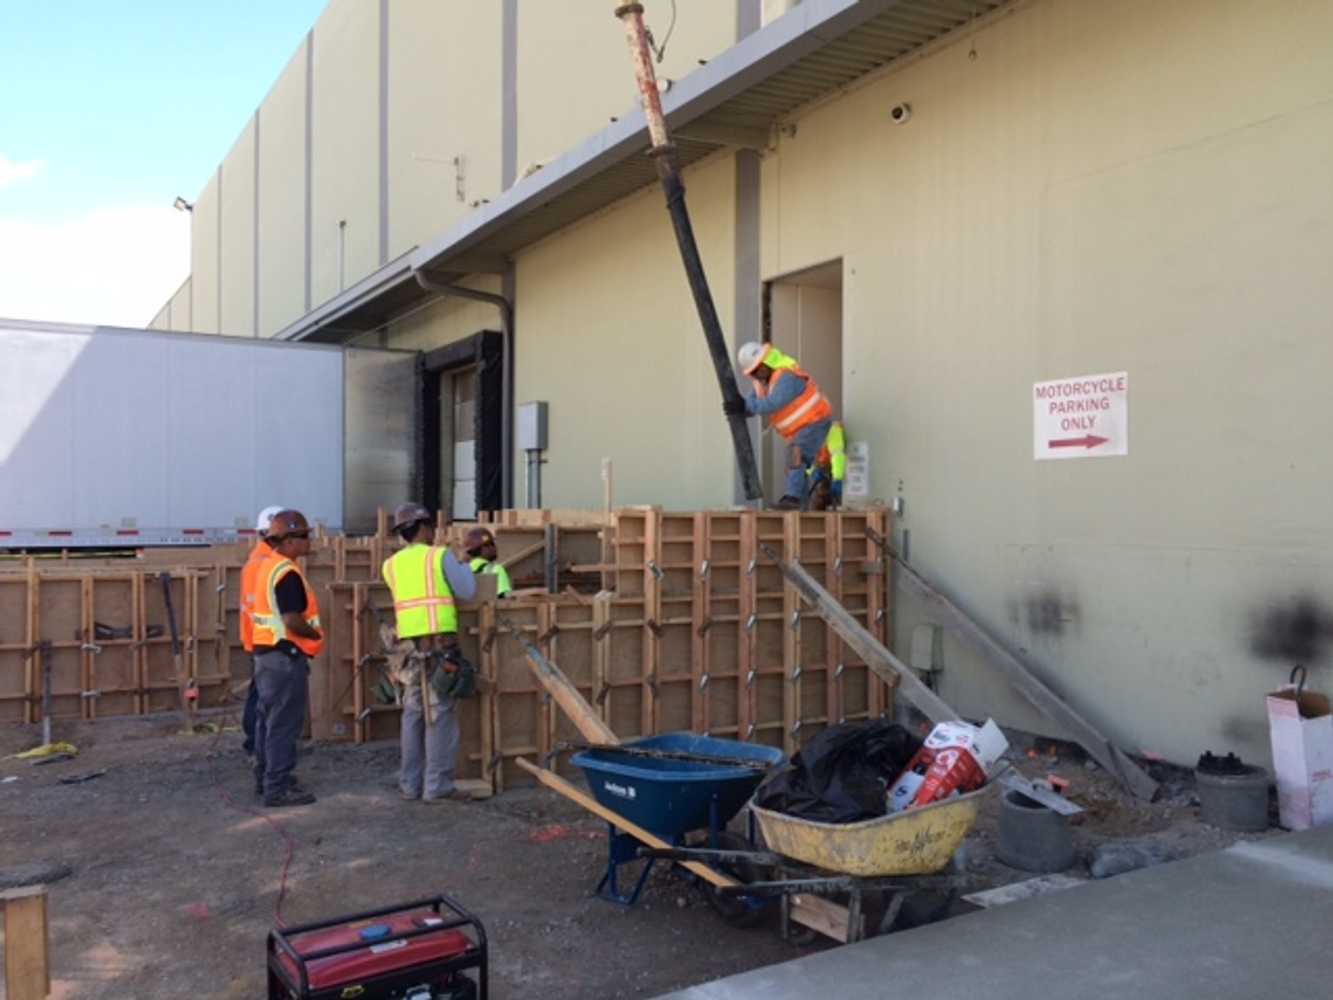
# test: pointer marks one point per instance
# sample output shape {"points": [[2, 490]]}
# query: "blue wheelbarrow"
{"points": [[671, 785]]}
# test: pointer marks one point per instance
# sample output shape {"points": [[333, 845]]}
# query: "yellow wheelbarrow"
{"points": [[846, 881]]}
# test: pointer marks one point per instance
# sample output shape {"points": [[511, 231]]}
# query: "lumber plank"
{"points": [[27, 968], [819, 914], [1042, 698], [566, 695], [877, 657], [556, 783], [517, 557]]}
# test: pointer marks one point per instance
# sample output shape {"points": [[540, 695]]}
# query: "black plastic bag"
{"points": [[842, 775]]}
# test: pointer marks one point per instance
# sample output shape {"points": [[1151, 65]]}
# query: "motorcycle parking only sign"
{"points": [[1083, 417]]}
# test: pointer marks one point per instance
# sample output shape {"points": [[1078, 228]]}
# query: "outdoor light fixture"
{"points": [[182, 205]]}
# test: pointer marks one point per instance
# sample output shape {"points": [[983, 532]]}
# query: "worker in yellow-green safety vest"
{"points": [[426, 580], [479, 544], [797, 409]]}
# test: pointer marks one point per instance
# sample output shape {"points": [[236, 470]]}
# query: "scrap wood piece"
{"points": [[559, 784], [566, 695], [27, 943], [1026, 683], [876, 655]]}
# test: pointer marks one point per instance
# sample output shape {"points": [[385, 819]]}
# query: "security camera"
{"points": [[899, 113]]}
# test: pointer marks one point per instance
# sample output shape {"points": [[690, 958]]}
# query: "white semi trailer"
{"points": [[113, 437]]}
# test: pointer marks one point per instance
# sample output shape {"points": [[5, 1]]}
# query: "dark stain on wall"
{"points": [[1298, 630], [1049, 612]]}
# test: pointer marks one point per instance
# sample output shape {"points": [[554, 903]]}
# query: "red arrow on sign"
{"points": [[1088, 441]]}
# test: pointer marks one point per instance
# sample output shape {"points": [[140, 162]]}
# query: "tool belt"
{"points": [[449, 673]]}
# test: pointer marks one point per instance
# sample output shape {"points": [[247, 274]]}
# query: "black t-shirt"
{"points": [[290, 593]]}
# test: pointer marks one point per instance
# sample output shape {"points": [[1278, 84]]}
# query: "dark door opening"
{"points": [[462, 409]]}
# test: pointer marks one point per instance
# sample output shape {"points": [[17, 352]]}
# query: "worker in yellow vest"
{"points": [[798, 410], [426, 580], [286, 633], [258, 554], [479, 544]]}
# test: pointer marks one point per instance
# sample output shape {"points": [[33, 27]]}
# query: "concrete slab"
{"points": [[1250, 921]]}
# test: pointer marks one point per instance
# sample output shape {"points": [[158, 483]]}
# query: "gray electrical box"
{"points": [[532, 427]]}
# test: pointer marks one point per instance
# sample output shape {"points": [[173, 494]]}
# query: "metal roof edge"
{"points": [[771, 49], [393, 273]]}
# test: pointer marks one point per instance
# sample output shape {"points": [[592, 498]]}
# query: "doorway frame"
{"points": [[485, 351]]}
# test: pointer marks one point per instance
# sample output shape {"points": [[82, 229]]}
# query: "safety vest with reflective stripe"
{"points": [[810, 407], [269, 628], [258, 554], [422, 600], [502, 582]]}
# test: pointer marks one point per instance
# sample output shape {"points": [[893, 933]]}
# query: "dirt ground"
{"points": [[176, 873]]}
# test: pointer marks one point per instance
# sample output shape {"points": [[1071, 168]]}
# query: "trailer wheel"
{"points": [[739, 911]]}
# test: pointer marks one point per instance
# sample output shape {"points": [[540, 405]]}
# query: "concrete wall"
{"points": [[1139, 187], [238, 236], [180, 312], [282, 198], [444, 106], [574, 70], [611, 340], [345, 179], [205, 221]]}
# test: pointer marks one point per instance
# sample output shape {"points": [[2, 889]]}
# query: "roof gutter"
{"points": [[506, 308]]}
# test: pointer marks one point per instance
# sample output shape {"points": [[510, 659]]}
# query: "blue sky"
{"points": [[112, 109]]}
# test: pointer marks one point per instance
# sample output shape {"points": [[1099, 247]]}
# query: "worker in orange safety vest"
{"points": [[258, 554], [798, 410], [287, 634]]}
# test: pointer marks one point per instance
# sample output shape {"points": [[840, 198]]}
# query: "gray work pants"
{"points": [[281, 679], [430, 752]]}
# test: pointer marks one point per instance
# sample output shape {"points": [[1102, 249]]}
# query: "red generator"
{"points": [[417, 951]]}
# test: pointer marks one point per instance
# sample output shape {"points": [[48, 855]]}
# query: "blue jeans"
{"points": [[808, 442], [250, 714], [282, 679]]}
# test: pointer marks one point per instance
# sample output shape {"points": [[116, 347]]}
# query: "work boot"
{"points": [[788, 502], [453, 795], [289, 796]]}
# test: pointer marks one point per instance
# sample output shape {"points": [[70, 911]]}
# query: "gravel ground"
{"points": [[176, 873]]}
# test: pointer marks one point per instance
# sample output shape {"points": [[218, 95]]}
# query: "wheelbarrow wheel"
{"points": [[737, 910]]}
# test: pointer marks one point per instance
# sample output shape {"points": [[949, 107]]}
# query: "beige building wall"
{"points": [[574, 71], [238, 236], [179, 308], [345, 193], [439, 322], [1140, 187], [610, 339], [444, 121], [162, 321], [282, 208], [204, 223]]}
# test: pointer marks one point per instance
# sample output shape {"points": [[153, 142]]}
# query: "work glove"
{"points": [[734, 407]]}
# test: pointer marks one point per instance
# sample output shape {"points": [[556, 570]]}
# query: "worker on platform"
{"points": [[426, 580], [798, 410], [286, 635], [258, 554], [481, 549]]}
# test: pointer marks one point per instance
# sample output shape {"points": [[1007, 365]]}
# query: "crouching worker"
{"points": [[426, 580], [286, 633], [480, 545]]}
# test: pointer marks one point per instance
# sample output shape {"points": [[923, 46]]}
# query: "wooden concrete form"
{"points": [[27, 943], [661, 620]]}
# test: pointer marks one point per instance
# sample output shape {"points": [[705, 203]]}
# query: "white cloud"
{"points": [[114, 266], [12, 173]]}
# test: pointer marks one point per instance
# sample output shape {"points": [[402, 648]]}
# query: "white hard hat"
{"points": [[266, 517], [751, 355]]}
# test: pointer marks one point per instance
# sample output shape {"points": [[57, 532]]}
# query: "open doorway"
{"points": [[462, 409], [803, 318]]}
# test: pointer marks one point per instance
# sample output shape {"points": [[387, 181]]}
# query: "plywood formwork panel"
{"points": [[157, 667], [15, 621], [114, 674], [59, 628]]}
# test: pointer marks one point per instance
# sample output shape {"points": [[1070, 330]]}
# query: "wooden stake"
{"points": [[565, 694], [559, 784], [27, 943]]}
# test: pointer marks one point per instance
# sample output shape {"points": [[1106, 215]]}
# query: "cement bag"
{"points": [[1300, 726]]}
